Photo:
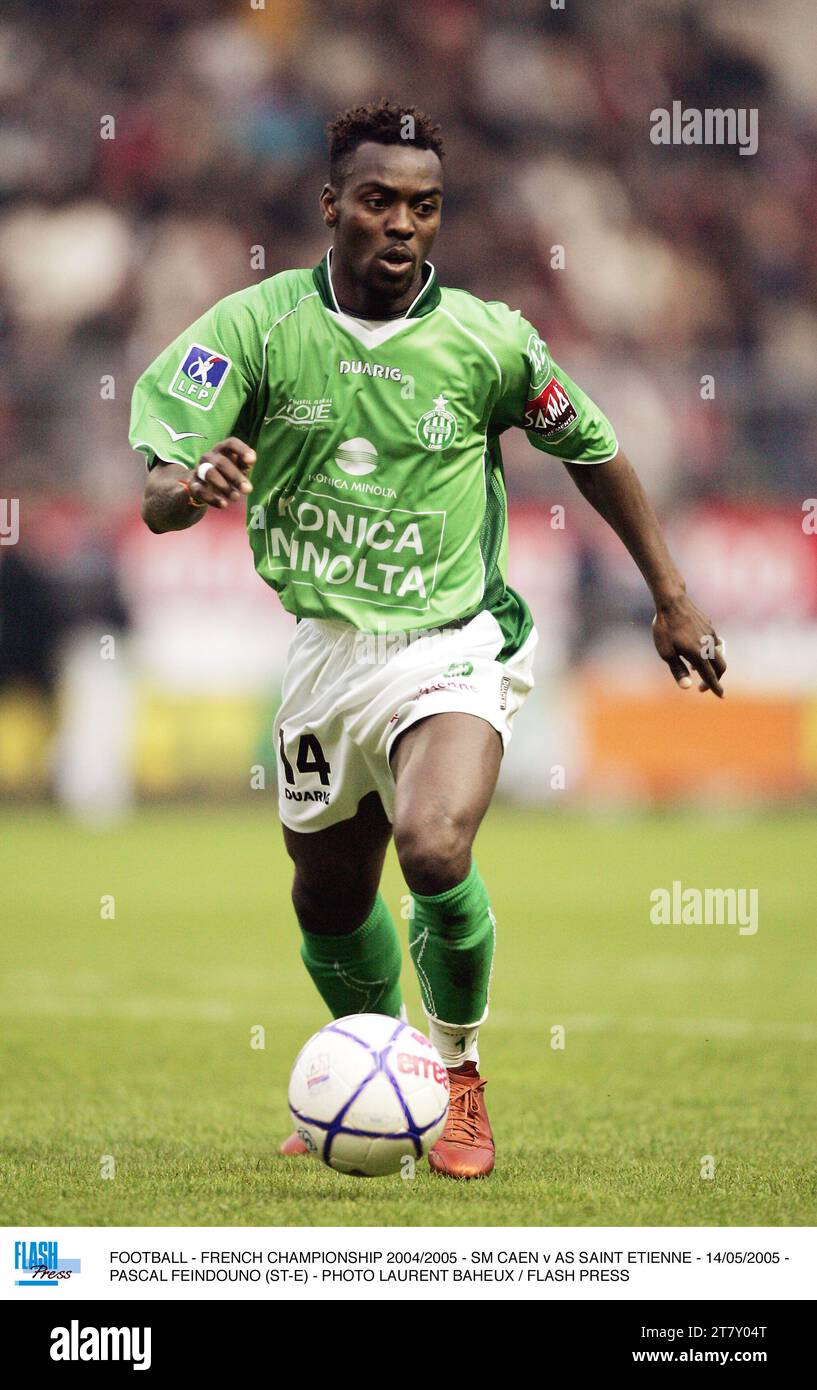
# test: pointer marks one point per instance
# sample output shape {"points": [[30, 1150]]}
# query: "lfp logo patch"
{"points": [[39, 1265], [200, 376]]}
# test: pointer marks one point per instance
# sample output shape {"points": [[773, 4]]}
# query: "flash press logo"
{"points": [[75, 1343], [40, 1265]]}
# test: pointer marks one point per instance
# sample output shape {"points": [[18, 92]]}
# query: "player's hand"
{"points": [[221, 476], [684, 637]]}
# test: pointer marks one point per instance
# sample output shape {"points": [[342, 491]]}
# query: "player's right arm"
{"points": [[192, 411], [174, 500]]}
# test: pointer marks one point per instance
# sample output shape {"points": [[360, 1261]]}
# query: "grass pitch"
{"points": [[130, 1037]]}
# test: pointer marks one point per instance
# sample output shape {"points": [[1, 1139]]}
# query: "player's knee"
{"points": [[330, 909], [434, 852]]}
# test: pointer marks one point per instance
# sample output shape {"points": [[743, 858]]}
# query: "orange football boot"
{"points": [[466, 1147], [292, 1146]]}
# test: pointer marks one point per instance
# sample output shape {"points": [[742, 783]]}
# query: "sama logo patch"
{"points": [[551, 411], [200, 376]]}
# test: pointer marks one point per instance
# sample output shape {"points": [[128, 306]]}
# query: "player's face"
{"points": [[385, 217]]}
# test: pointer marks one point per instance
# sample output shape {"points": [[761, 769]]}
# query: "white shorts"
{"points": [[347, 695]]}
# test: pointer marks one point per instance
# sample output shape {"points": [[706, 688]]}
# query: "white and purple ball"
{"points": [[367, 1092]]}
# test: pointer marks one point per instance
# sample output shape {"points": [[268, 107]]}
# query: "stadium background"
{"points": [[683, 269]]}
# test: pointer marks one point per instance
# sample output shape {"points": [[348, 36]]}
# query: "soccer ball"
{"points": [[366, 1091]]}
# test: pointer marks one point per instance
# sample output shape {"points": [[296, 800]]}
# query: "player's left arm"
{"points": [[560, 419], [683, 635]]}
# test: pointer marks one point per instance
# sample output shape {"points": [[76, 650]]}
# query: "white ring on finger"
{"points": [[202, 471]]}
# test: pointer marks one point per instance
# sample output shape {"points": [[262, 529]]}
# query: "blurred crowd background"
{"points": [[156, 158]]}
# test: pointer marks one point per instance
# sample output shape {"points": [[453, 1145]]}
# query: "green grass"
{"points": [[131, 1037]]}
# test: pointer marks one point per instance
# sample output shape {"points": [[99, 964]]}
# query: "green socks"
{"points": [[358, 973], [451, 940]]}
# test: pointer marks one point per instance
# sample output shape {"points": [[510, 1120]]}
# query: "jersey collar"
{"points": [[428, 298]]}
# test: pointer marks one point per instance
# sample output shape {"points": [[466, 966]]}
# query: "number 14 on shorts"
{"points": [[309, 757]]}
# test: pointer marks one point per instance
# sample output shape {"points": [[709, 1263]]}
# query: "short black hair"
{"points": [[383, 122]]}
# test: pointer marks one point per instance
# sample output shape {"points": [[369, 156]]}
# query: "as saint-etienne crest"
{"points": [[438, 427]]}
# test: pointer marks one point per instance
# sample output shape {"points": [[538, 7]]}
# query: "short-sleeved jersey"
{"points": [[378, 492]]}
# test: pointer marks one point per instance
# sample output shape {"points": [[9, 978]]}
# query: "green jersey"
{"points": [[378, 491]]}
